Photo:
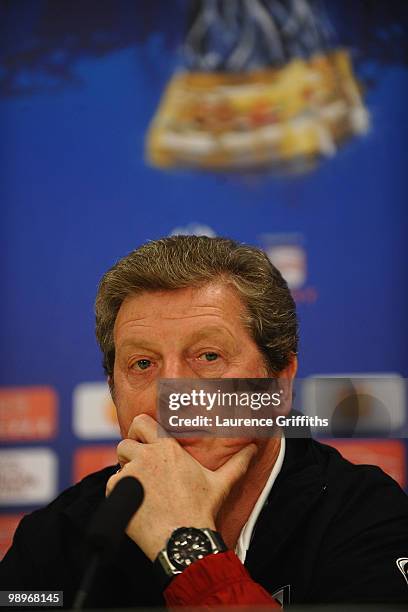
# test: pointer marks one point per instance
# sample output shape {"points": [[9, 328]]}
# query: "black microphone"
{"points": [[108, 525]]}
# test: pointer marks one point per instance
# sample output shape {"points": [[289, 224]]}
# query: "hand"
{"points": [[179, 491]]}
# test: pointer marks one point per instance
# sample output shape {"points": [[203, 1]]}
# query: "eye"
{"points": [[142, 364], [209, 356]]}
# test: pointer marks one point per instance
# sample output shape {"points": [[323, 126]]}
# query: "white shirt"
{"points": [[244, 539]]}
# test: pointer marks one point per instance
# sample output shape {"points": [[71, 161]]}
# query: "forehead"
{"points": [[214, 305]]}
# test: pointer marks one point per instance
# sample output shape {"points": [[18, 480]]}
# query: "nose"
{"points": [[175, 367]]}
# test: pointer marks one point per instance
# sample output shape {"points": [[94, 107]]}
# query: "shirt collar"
{"points": [[244, 539]]}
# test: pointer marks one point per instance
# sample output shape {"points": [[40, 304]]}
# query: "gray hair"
{"points": [[193, 261]]}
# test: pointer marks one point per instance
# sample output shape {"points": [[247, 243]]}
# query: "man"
{"points": [[309, 526]]}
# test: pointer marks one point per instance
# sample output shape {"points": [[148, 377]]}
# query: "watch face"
{"points": [[187, 545]]}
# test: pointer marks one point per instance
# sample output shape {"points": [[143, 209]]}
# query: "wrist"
{"points": [[160, 540], [185, 546]]}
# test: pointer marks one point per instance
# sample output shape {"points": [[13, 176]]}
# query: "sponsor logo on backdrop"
{"points": [[389, 455], [8, 525], [28, 413], [193, 229], [27, 477], [94, 413], [290, 259], [358, 405], [287, 253], [90, 459]]}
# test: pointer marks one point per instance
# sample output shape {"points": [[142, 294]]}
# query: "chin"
{"points": [[212, 453]]}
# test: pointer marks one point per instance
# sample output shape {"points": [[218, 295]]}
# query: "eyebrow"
{"points": [[196, 336], [212, 330]]}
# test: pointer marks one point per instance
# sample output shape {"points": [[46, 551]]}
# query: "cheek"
{"points": [[130, 404], [125, 417]]}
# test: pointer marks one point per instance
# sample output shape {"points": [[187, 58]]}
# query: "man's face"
{"points": [[184, 333]]}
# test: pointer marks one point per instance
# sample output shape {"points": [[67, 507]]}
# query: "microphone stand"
{"points": [[86, 583]]}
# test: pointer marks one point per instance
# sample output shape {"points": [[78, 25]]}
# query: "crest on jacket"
{"points": [[282, 595], [402, 564]]}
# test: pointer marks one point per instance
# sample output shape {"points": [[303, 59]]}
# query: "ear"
{"points": [[286, 377], [291, 369]]}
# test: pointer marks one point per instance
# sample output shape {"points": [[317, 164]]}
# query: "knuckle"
{"points": [[140, 418], [121, 446]]}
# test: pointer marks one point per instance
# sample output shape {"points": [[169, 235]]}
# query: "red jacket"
{"points": [[217, 580]]}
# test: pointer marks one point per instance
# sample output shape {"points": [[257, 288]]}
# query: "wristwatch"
{"points": [[185, 546]]}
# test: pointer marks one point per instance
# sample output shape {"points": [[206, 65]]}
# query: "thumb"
{"points": [[237, 466]]}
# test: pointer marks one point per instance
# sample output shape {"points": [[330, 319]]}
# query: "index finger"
{"points": [[145, 429]]}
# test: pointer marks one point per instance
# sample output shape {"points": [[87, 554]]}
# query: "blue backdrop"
{"points": [[76, 194]]}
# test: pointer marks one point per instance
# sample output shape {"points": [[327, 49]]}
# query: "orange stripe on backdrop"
{"points": [[90, 459], [8, 525], [389, 455], [28, 413]]}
